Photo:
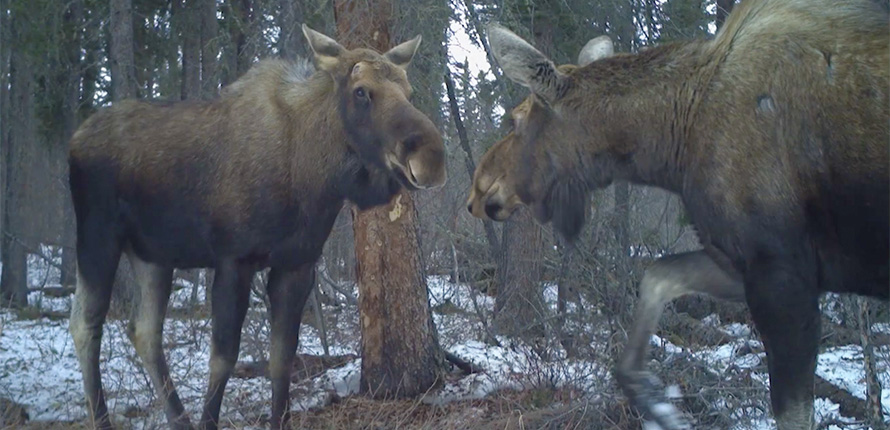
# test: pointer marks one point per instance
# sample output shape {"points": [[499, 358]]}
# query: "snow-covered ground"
{"points": [[38, 367]]}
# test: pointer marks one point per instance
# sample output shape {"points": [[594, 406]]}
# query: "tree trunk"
{"points": [[188, 21], [872, 384], [71, 97], [123, 84], [209, 49], [400, 351], [245, 37], [123, 77], [20, 139], [519, 306], [290, 38], [5, 43]]}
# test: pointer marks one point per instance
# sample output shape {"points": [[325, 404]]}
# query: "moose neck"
{"points": [[648, 108]]}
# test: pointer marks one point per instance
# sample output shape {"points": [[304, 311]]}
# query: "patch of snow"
{"points": [[514, 366], [843, 367], [737, 330], [37, 299], [673, 392], [881, 328]]}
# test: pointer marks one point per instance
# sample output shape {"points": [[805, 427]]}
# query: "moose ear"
{"points": [[402, 54], [326, 50], [595, 49], [524, 64]]}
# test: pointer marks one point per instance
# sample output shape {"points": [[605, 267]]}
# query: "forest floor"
{"points": [[521, 386]]}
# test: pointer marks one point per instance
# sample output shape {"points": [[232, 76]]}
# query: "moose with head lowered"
{"points": [[775, 135]]}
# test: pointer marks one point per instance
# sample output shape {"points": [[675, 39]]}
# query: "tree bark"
{"points": [[71, 98], [872, 385], [400, 351], [243, 15], [5, 43], [123, 77], [519, 305], [290, 42], [209, 49], [123, 84], [20, 139], [188, 21]]}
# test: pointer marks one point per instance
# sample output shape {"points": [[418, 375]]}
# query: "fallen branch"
{"points": [[462, 364], [850, 405]]}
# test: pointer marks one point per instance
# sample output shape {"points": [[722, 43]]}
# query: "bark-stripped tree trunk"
{"points": [[400, 351]]}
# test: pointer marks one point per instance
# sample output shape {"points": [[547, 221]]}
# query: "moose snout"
{"points": [[424, 156]]}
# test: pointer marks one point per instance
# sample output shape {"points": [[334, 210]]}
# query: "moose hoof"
{"points": [[647, 394]]}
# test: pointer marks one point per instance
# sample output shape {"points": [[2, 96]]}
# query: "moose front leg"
{"points": [[784, 303], [288, 291], [669, 278]]}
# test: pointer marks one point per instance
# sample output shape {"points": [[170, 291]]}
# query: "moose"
{"points": [[774, 134], [250, 180]]}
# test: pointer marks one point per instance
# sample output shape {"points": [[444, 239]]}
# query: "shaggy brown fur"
{"points": [[250, 180], [775, 134]]}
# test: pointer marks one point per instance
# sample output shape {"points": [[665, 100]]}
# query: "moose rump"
{"points": [[252, 179]]}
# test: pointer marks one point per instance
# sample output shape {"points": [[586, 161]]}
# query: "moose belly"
{"points": [[182, 236], [169, 234]]}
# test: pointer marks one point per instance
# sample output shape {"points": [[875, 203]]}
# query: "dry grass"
{"points": [[528, 409]]}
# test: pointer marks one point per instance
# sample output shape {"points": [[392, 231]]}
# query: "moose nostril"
{"points": [[491, 209], [470, 207], [410, 144]]}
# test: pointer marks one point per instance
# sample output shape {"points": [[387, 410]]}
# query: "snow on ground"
{"points": [[38, 367], [842, 366], [514, 367]]}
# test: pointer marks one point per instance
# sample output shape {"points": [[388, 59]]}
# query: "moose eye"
{"points": [[360, 93]]}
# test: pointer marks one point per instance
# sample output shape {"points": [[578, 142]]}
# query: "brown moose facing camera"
{"points": [[252, 179]]}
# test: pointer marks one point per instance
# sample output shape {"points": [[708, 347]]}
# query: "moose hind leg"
{"points": [[146, 334], [669, 278], [784, 304], [97, 259], [228, 301], [288, 292]]}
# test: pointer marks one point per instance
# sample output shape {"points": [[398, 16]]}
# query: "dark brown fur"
{"points": [[250, 180], [775, 134]]}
